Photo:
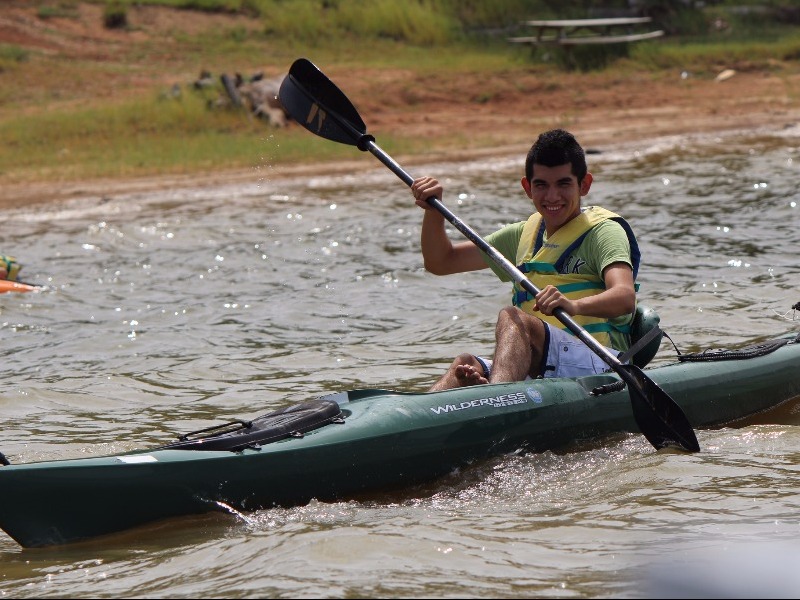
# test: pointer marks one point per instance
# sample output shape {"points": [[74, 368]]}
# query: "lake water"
{"points": [[167, 312]]}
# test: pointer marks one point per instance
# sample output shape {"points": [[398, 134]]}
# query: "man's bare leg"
{"points": [[520, 338], [518, 353], [465, 370]]}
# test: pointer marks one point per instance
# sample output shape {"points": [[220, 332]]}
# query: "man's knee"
{"points": [[510, 313], [467, 359], [511, 316]]}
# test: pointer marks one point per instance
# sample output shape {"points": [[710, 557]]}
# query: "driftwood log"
{"points": [[258, 95], [261, 96]]}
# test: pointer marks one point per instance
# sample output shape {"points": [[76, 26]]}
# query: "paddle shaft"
{"points": [[500, 260]]}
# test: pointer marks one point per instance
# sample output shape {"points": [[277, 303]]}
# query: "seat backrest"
{"points": [[644, 320]]}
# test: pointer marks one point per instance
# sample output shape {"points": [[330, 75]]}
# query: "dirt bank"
{"points": [[462, 115]]}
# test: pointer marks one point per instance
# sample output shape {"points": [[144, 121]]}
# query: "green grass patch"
{"points": [[66, 9], [707, 56], [11, 54], [153, 136]]}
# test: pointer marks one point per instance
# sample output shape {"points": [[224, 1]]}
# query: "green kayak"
{"points": [[353, 442]]}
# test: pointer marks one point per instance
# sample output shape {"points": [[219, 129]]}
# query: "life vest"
{"points": [[544, 263], [11, 265]]}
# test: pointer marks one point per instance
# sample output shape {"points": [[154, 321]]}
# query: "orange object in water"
{"points": [[15, 286]]}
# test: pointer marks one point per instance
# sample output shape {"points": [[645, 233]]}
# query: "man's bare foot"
{"points": [[469, 375]]}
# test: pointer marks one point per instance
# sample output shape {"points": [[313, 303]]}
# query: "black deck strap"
{"points": [[796, 306], [3, 460], [234, 425], [640, 343], [753, 351], [607, 388], [294, 420], [678, 352]]}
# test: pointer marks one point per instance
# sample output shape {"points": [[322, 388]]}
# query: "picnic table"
{"points": [[573, 32]]}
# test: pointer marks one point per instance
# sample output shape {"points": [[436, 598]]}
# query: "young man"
{"points": [[582, 260]]}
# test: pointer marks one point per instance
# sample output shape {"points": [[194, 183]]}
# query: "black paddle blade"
{"points": [[660, 419], [317, 104]]}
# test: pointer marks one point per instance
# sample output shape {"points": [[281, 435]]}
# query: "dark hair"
{"points": [[555, 148]]}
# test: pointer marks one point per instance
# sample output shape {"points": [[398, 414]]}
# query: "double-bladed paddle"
{"points": [[317, 104]]}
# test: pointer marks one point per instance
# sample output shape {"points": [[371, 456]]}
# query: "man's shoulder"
{"points": [[606, 243], [608, 229], [509, 230], [506, 241]]}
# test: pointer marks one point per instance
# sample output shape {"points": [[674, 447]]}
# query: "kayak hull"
{"points": [[15, 286], [386, 440]]}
